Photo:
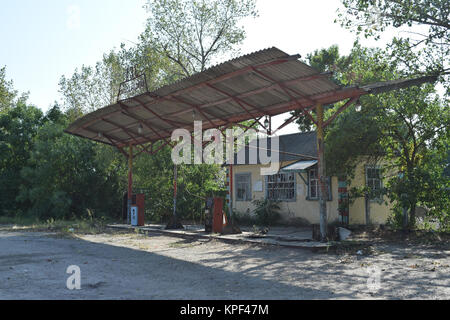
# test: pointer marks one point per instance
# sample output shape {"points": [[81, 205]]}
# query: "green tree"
{"points": [[324, 60], [195, 33], [425, 22], [155, 174], [408, 128], [91, 88], [373, 17], [182, 37], [67, 177], [18, 126], [7, 93]]}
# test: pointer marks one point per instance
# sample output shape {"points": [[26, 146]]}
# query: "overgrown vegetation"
{"points": [[63, 227], [47, 174], [409, 128], [406, 131], [266, 212]]}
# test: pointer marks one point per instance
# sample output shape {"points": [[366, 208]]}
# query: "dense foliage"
{"points": [[266, 212], [46, 173], [407, 130]]}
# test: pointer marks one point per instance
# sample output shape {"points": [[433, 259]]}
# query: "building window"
{"points": [[281, 187], [374, 182], [313, 185], [243, 183]]}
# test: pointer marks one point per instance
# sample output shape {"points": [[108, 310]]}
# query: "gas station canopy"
{"points": [[265, 83]]}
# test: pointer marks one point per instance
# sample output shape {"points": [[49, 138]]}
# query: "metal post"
{"points": [[270, 125], [323, 189], [175, 178], [130, 183], [231, 191]]}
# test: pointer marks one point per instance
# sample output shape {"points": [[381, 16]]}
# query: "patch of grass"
{"points": [[183, 244], [348, 247], [67, 227], [417, 237], [17, 221]]}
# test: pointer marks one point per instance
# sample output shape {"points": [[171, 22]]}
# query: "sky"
{"points": [[43, 40]]}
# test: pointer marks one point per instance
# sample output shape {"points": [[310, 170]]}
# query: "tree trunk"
{"points": [[412, 216]]}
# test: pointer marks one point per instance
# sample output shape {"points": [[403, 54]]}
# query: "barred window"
{"points": [[281, 187]]}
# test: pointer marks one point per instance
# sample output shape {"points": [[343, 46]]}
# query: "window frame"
{"points": [[293, 174], [329, 183], [249, 197], [366, 174]]}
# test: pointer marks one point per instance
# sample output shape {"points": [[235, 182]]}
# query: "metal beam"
{"points": [[218, 79], [340, 110], [292, 98]]}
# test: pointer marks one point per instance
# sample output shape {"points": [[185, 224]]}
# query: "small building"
{"points": [[296, 186]]}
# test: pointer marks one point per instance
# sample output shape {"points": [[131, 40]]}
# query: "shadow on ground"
{"points": [[33, 266]]}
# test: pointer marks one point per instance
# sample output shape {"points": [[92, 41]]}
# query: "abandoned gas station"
{"points": [[250, 88]]}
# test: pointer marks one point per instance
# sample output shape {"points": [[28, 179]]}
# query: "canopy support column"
{"points": [[130, 183], [231, 192], [174, 223], [323, 188], [175, 178]]}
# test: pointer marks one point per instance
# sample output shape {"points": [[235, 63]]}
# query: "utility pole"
{"points": [[323, 187]]}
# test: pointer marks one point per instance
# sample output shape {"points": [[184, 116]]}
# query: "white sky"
{"points": [[42, 40]]}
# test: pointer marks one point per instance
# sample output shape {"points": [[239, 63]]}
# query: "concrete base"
{"points": [[277, 236]]}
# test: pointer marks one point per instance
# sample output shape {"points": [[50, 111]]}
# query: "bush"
{"points": [[266, 212]]}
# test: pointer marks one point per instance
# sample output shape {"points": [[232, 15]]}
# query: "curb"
{"points": [[190, 235]]}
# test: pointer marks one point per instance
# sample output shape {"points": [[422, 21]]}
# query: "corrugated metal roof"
{"points": [[267, 82], [214, 96]]}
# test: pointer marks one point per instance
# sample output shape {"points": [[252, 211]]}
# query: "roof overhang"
{"points": [[268, 82], [300, 166]]}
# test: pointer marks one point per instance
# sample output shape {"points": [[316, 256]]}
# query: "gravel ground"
{"points": [[133, 266]]}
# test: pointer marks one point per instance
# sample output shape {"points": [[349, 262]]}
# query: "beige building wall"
{"points": [[301, 208], [379, 210], [307, 209]]}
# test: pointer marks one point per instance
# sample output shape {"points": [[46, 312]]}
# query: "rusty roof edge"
{"points": [[386, 86], [153, 94]]}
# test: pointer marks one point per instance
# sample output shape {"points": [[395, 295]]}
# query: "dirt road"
{"points": [[132, 266]]}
